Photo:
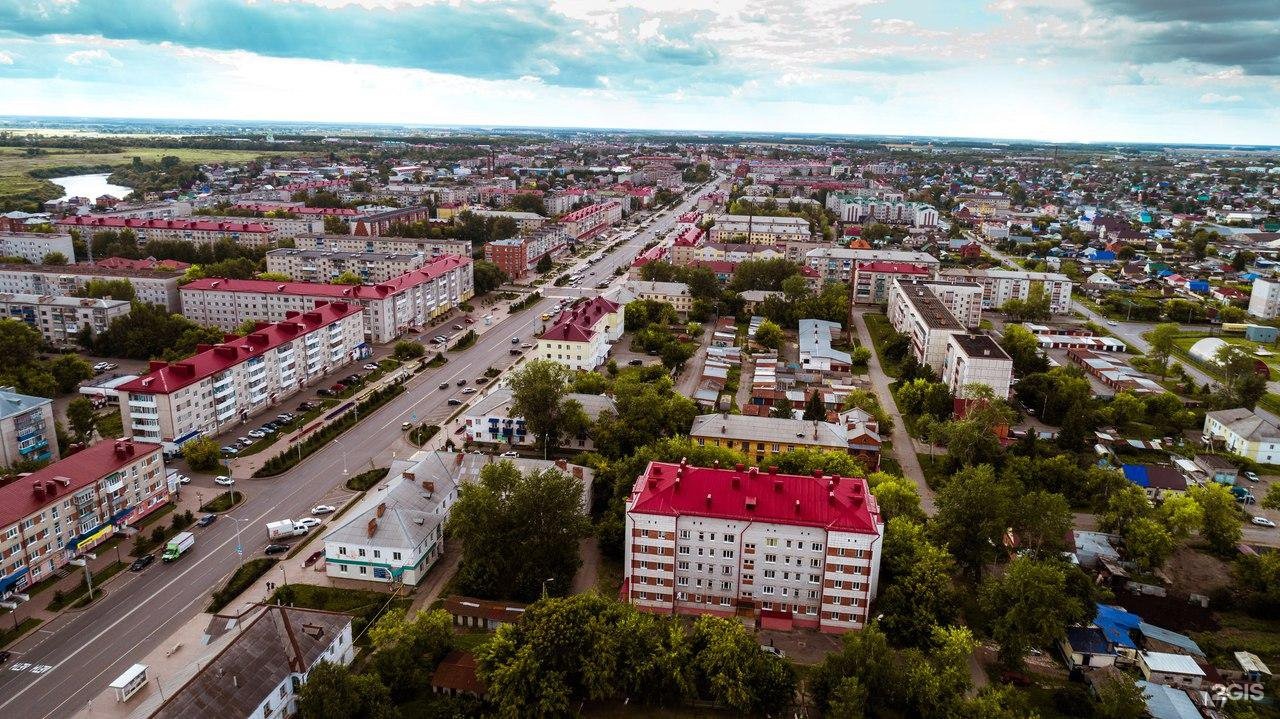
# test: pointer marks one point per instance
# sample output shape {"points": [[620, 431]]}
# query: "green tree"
{"points": [[406, 650], [1221, 523], [923, 596], [814, 408], [898, 497], [54, 258], [860, 356], [69, 371], [1162, 340], [782, 409], [407, 350], [1182, 515], [1148, 543], [348, 278], [244, 328], [1124, 505], [1272, 500], [1030, 606], [19, 342], [769, 335], [81, 417], [536, 518], [334, 225], [974, 510], [333, 691], [1024, 349], [537, 395], [1119, 698], [487, 276], [544, 264], [729, 663], [202, 454], [1041, 521]]}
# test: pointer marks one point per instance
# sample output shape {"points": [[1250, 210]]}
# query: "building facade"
{"points": [[60, 319], [976, 359], [35, 246], [871, 280], [153, 287], [49, 517], [1000, 286], [790, 551], [1242, 431], [223, 385], [589, 221], [927, 322], [675, 294], [390, 308], [1264, 299], [762, 437], [327, 265], [580, 337], [759, 229], [489, 421], [519, 256], [26, 428], [197, 231], [398, 245], [837, 264]]}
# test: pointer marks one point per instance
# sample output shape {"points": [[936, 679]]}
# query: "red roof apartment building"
{"points": [[591, 220], [69, 507], [250, 234], [787, 550], [223, 385]]}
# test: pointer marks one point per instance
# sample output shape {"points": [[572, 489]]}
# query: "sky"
{"points": [[1057, 70]]}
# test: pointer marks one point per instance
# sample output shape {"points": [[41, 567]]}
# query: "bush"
{"points": [[465, 341], [366, 479], [202, 454], [528, 301], [246, 575], [406, 350], [221, 503]]}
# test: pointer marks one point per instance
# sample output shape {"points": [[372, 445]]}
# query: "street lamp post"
{"points": [[239, 544], [344, 455], [544, 586]]}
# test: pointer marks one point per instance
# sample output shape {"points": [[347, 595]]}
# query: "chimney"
{"points": [[50, 487], [797, 506], [458, 459], [372, 528], [562, 464], [38, 489], [739, 466], [410, 476], [735, 481], [428, 485], [817, 474], [773, 469], [382, 509], [751, 503], [708, 500]]}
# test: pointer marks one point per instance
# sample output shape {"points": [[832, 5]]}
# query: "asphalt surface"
{"points": [[59, 667]]}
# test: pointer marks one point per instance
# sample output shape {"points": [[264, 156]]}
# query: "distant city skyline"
{"points": [[1050, 70]]}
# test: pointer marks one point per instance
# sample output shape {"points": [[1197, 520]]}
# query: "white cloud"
{"points": [[1212, 98], [5, 58], [92, 57]]}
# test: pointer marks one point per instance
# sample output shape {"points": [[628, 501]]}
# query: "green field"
{"points": [[16, 184], [1185, 341]]}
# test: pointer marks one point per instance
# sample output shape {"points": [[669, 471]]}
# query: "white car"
{"points": [[184, 479], [469, 390], [1113, 323], [371, 366], [308, 522], [256, 433], [1263, 522], [323, 509], [224, 480], [512, 453]]}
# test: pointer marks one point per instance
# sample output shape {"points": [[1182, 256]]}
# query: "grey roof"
{"points": [[12, 403], [344, 255], [980, 346], [932, 310], [24, 298], [1171, 663], [770, 429], [1168, 702], [639, 287], [278, 642], [815, 340], [760, 223], [498, 402], [1246, 423], [1172, 638]]}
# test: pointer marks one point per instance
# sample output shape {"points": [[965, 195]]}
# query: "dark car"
{"points": [[352, 378], [277, 548], [141, 563], [313, 558], [454, 401], [325, 392], [481, 380], [444, 385], [461, 382], [636, 362], [4, 657], [206, 520], [515, 351]]}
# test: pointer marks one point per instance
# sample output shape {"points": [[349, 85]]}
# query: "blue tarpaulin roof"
{"points": [[1136, 473], [1116, 623]]}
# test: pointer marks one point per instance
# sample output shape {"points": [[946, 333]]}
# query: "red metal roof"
{"points": [[839, 503], [906, 268], [60, 480], [413, 278], [295, 209], [135, 223], [577, 324], [587, 211], [151, 263], [173, 376]]}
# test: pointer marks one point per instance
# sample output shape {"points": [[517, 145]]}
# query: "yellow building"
{"points": [[762, 437]]}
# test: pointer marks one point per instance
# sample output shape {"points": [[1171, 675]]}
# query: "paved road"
{"points": [[72, 658]]}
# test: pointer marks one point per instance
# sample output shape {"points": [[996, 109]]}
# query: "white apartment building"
{"points": [[589, 221], [1000, 286], [792, 551], [390, 308], [490, 421], [33, 246], [397, 534], [917, 313], [1244, 432], [326, 265], [850, 208], [675, 294], [242, 231], [26, 428], [226, 384], [52, 515], [964, 299], [60, 319], [581, 336], [976, 359], [837, 264], [1264, 299], [382, 243], [153, 287], [759, 229]]}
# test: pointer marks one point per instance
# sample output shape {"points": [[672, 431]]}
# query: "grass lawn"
{"points": [[9, 636], [880, 329], [1185, 341], [301, 420], [364, 606], [1241, 632], [242, 579], [82, 590], [110, 424], [366, 479], [222, 502], [934, 476]]}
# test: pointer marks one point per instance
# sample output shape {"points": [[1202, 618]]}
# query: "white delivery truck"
{"points": [[284, 529], [178, 546]]}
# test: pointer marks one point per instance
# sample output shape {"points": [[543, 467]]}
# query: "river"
{"points": [[90, 186]]}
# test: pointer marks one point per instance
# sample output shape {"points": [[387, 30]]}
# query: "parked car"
{"points": [[224, 480], [444, 385], [257, 433], [5, 656], [468, 320], [454, 401], [371, 366], [769, 649], [325, 392], [142, 562], [1251, 476], [313, 558], [308, 522], [636, 362], [277, 548], [352, 379], [461, 382], [469, 390], [515, 340], [183, 479], [206, 520], [457, 327], [406, 426], [323, 509], [338, 387], [515, 351], [1263, 522], [481, 380], [526, 345], [512, 453], [230, 451], [461, 428]]}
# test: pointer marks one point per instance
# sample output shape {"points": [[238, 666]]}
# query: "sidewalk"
{"points": [[903, 445]]}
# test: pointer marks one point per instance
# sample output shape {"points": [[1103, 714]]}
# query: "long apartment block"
{"points": [[793, 551], [153, 287], [1000, 286], [401, 245], [61, 319], [390, 308], [327, 265], [225, 384], [49, 517]]}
